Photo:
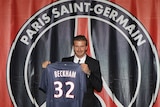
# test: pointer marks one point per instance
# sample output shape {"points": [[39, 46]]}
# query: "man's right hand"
{"points": [[45, 64]]}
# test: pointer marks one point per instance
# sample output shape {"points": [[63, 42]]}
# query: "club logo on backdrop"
{"points": [[128, 58]]}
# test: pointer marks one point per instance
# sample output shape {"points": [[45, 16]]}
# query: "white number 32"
{"points": [[59, 91]]}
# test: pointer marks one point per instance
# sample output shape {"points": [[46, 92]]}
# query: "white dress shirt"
{"points": [[82, 60]]}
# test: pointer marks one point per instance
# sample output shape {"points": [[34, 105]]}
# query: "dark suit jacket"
{"points": [[94, 82]]}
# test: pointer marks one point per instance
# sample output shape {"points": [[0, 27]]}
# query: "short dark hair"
{"points": [[80, 38]]}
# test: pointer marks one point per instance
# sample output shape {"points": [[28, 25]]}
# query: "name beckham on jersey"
{"points": [[65, 73], [44, 20]]}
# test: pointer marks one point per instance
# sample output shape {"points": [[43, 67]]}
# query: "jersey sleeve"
{"points": [[44, 81]]}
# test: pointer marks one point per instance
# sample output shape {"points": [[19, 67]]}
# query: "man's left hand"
{"points": [[85, 69]]}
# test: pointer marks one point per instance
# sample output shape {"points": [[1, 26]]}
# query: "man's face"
{"points": [[80, 48]]}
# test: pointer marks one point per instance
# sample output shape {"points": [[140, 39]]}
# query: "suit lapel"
{"points": [[87, 59], [72, 58]]}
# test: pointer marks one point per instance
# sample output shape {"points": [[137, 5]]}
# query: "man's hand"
{"points": [[45, 64], [85, 69]]}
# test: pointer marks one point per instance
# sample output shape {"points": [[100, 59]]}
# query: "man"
{"points": [[89, 66]]}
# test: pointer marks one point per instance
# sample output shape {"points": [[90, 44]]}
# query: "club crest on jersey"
{"points": [[124, 48]]}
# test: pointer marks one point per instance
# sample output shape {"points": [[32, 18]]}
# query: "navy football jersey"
{"points": [[64, 84]]}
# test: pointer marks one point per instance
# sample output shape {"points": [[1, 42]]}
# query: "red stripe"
{"points": [[82, 29], [106, 98]]}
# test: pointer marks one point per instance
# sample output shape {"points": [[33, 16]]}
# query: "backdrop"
{"points": [[123, 35]]}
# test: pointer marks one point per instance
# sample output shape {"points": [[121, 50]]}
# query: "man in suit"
{"points": [[90, 67]]}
